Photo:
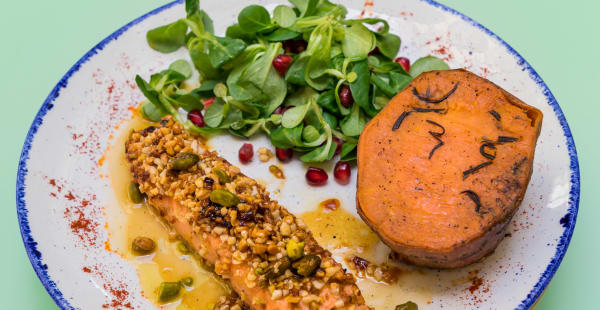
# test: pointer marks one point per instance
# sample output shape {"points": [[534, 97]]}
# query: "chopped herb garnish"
{"points": [[398, 122], [495, 115], [427, 110], [471, 194], [472, 170], [489, 156], [429, 100], [437, 136], [504, 139]]}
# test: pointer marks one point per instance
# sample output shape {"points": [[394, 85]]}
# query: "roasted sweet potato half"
{"points": [[444, 166]]}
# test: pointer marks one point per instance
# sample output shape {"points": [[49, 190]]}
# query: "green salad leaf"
{"points": [[427, 63], [284, 16], [182, 67], [280, 74], [167, 38], [254, 18], [358, 41]]}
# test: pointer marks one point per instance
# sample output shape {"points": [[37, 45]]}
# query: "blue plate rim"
{"points": [[40, 268]]}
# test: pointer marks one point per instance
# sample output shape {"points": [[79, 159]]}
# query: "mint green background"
{"points": [[40, 40]]}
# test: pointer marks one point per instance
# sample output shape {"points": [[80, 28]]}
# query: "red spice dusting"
{"points": [[83, 226], [53, 183], [117, 291], [116, 100], [119, 297], [477, 292], [131, 84], [476, 282], [70, 196], [117, 104], [484, 71], [441, 50], [81, 215]]}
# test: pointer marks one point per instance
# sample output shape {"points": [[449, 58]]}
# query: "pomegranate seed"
{"points": [[375, 51], [288, 46], [404, 62], [341, 172], [316, 176], [245, 153], [208, 102], [294, 46], [281, 109], [346, 96], [338, 148], [284, 155], [195, 116], [300, 46], [282, 62]]}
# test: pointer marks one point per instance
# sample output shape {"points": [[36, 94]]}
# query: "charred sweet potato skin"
{"points": [[419, 185]]}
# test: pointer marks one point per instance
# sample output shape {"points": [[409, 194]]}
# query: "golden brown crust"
{"points": [[424, 183]]}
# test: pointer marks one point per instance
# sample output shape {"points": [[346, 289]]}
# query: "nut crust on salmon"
{"points": [[444, 166], [265, 253]]}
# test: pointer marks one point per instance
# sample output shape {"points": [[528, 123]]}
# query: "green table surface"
{"points": [[42, 39]]}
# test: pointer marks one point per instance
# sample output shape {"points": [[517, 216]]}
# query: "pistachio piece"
{"points": [[183, 248], [187, 281], [294, 250], [409, 305], [224, 198], [142, 245], [307, 265], [184, 161], [168, 291], [134, 192], [222, 175], [278, 268]]}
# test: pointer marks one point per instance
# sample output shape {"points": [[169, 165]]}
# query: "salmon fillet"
{"points": [[249, 239]]}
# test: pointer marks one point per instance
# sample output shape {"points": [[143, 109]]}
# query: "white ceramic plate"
{"points": [[59, 173]]}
